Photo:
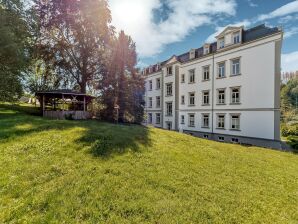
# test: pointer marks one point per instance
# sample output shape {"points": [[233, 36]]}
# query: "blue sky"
{"points": [[162, 28]]}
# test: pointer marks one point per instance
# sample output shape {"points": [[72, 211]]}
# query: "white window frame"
{"points": [[234, 71], [169, 70], [191, 120], [233, 99], [205, 116], [182, 99], [235, 122], [207, 97], [220, 119], [191, 97], [221, 138], [236, 36], [169, 113], [191, 76], [157, 101], [157, 83], [150, 100], [221, 70], [182, 119], [157, 117], [150, 118], [150, 85], [206, 72], [183, 78], [169, 86], [221, 98], [206, 50], [221, 42]]}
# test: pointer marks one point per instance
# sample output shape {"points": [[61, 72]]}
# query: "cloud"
{"points": [[219, 29], [180, 17], [289, 62], [251, 3], [290, 32], [284, 10]]}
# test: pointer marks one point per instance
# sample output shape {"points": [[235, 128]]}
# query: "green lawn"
{"points": [[87, 171]]}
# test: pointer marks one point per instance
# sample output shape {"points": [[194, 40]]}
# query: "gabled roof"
{"points": [[229, 28]]}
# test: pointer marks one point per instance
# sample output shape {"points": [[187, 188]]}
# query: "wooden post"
{"points": [[84, 103], [43, 104], [62, 102]]}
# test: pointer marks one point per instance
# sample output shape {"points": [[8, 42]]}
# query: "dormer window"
{"points": [[236, 38], [192, 54], [221, 43], [206, 50]]}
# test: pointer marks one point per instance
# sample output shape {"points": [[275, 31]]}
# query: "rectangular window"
{"points": [[182, 100], [235, 122], [221, 43], [157, 118], [182, 119], [220, 121], [191, 76], [191, 97], [221, 96], [235, 95], [169, 87], [158, 83], [236, 66], [191, 120], [221, 70], [206, 50], [169, 106], [206, 136], [206, 72], [150, 85], [182, 78], [205, 97], [169, 70], [150, 102], [236, 38], [221, 138], [158, 101], [235, 140], [150, 118], [205, 120]]}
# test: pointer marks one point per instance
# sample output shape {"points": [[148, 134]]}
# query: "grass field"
{"points": [[93, 172]]}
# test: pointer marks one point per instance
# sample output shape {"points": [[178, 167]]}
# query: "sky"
{"points": [[162, 28]]}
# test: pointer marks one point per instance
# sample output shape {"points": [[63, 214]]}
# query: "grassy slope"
{"points": [[52, 171]]}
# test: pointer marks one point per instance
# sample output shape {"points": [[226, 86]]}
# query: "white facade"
{"points": [[229, 94]]}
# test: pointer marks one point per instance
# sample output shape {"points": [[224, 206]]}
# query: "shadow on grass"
{"points": [[102, 139]]}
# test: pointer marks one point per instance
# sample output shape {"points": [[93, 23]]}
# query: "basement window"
{"points": [[221, 138]]}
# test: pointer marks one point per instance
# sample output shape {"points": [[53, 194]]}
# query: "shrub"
{"points": [[287, 130]]}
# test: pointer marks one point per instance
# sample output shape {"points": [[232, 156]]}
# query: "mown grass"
{"points": [[93, 172]]}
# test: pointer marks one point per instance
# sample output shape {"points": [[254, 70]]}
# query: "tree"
{"points": [[122, 85], [74, 38], [14, 49]]}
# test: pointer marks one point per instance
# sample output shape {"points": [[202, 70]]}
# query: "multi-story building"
{"points": [[228, 90]]}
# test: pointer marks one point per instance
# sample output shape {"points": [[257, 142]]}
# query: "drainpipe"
{"points": [[212, 90]]}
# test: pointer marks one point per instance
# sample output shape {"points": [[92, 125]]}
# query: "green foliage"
{"points": [[49, 174], [14, 49], [287, 130], [289, 100]]}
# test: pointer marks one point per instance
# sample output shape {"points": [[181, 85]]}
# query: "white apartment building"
{"points": [[226, 91]]}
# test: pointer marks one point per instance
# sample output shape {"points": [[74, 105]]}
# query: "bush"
{"points": [[287, 130]]}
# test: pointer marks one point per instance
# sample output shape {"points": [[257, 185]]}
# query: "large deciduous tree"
{"points": [[74, 37], [122, 85], [14, 52]]}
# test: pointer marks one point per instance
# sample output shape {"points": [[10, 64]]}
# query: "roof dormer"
{"points": [[206, 49], [192, 54], [229, 36]]}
